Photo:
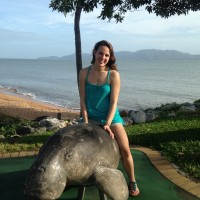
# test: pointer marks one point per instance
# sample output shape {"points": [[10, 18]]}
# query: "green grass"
{"points": [[31, 142], [164, 125]]}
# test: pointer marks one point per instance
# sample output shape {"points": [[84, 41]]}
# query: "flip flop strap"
{"points": [[133, 186]]}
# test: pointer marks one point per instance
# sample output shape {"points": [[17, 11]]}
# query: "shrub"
{"points": [[9, 125], [156, 140], [184, 154]]}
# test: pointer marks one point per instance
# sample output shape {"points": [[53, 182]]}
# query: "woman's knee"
{"points": [[125, 152]]}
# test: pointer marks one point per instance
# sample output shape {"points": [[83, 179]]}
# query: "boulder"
{"points": [[24, 130], [138, 116], [189, 108]]}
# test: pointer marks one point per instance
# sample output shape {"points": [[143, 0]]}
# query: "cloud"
{"points": [[27, 22], [13, 36], [142, 23]]}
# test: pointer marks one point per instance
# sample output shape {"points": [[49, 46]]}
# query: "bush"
{"points": [[9, 125], [155, 133], [184, 154], [156, 140]]}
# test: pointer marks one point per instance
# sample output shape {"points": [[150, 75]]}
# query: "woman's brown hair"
{"points": [[111, 63]]}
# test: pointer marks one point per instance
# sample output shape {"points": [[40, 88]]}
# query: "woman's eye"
{"points": [[102, 54]]}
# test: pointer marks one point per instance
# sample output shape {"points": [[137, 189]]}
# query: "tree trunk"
{"points": [[78, 40]]}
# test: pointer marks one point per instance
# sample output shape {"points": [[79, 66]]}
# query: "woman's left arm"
{"points": [[115, 89]]}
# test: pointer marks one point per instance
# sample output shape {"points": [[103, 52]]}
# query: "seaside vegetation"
{"points": [[177, 138]]}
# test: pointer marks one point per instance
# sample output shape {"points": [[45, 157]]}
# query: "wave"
{"points": [[12, 90], [15, 91]]}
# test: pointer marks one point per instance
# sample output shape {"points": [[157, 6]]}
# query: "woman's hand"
{"points": [[106, 127]]}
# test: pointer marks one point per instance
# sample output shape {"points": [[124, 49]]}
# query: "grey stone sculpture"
{"points": [[77, 154]]}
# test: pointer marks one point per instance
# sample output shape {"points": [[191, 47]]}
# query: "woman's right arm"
{"points": [[82, 77]]}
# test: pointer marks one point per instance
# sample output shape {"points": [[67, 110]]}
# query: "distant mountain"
{"points": [[85, 56], [154, 54], [145, 54]]}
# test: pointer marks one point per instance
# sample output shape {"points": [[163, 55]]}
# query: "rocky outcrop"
{"points": [[44, 124], [167, 110]]}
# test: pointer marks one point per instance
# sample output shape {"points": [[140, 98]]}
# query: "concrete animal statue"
{"points": [[77, 154]]}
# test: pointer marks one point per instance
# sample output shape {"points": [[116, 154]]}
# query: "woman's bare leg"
{"points": [[127, 159]]}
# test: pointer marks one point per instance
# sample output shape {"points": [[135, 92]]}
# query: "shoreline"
{"points": [[24, 106], [17, 105]]}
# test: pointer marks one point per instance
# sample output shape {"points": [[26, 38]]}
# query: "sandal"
{"points": [[133, 189]]}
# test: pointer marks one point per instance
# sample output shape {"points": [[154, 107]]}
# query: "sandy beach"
{"points": [[26, 108]]}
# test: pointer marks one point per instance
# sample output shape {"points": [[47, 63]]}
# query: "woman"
{"points": [[99, 86]]}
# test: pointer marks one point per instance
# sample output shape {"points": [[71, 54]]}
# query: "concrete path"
{"points": [[169, 171]]}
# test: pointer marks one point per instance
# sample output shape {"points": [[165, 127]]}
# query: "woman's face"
{"points": [[102, 56]]}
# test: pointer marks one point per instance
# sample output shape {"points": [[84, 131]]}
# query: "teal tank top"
{"points": [[98, 101]]}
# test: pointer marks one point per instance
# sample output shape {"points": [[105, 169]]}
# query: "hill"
{"points": [[145, 54]]}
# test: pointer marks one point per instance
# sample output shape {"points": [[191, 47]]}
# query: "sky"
{"points": [[30, 29]]}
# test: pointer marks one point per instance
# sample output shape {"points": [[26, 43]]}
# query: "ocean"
{"points": [[144, 84]]}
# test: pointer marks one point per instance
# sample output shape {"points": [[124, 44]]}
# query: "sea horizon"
{"points": [[146, 54]]}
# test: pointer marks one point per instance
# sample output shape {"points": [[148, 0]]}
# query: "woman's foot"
{"points": [[133, 189]]}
